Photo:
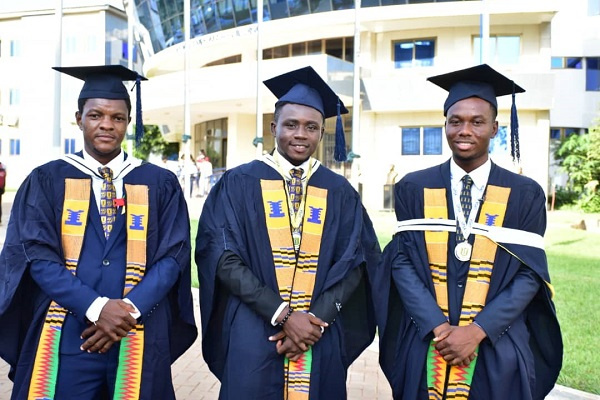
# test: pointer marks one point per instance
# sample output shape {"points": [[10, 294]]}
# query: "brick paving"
{"points": [[193, 380]]}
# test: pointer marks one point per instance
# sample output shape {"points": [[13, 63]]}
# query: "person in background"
{"points": [[95, 270], [282, 250], [470, 311], [205, 169], [2, 186]]}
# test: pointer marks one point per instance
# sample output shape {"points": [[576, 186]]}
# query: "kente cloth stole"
{"points": [[295, 276], [74, 220], [455, 381]]}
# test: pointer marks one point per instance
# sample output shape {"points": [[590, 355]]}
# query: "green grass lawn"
{"points": [[574, 262]]}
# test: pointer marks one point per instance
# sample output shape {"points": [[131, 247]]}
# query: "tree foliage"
{"points": [[579, 157], [153, 142]]}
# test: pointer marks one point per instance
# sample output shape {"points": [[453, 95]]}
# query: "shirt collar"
{"points": [[286, 166], [116, 164], [479, 175]]}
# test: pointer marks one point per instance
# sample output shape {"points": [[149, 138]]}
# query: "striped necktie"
{"points": [[295, 186], [465, 203], [108, 211]]}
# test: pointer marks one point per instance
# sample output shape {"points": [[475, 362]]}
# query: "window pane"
{"points": [[335, 47], [571, 131], [432, 141], [508, 50], [298, 49], [592, 74], [574, 62], [424, 53], [499, 145], [555, 133], [315, 47], [410, 141], [557, 62], [403, 54]]}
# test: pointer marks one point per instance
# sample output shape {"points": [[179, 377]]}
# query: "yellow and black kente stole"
{"points": [[74, 220], [455, 381], [295, 275]]}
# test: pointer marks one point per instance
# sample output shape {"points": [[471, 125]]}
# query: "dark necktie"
{"points": [[465, 203], [295, 186], [108, 211]]}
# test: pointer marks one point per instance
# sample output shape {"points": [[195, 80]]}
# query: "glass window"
{"points": [[335, 47], [315, 47], [349, 49], [593, 7], [69, 146], [573, 62], [298, 49], [554, 133], [15, 48], [414, 53], [432, 141], [556, 63], [15, 147], [410, 141], [503, 50], [15, 97], [592, 74], [571, 131]]}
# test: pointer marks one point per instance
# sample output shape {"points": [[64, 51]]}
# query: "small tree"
{"points": [[152, 142], [579, 156]]}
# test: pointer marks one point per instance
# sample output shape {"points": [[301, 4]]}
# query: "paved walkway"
{"points": [[193, 380]]}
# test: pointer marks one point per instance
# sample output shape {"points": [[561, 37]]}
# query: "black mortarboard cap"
{"points": [[106, 82], [305, 87], [486, 83]]}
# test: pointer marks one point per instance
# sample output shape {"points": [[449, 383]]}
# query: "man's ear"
{"points": [[273, 128], [495, 129], [78, 119]]}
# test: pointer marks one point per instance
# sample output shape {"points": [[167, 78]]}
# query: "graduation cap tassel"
{"points": [[339, 153], [514, 130], [139, 124]]}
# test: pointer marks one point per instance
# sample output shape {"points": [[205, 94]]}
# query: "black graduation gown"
{"points": [[235, 338], [522, 356], [34, 234]]}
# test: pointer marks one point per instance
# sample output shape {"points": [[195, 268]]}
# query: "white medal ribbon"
{"points": [[465, 225]]}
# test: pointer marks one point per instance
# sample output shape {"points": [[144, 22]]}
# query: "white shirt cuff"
{"points": [[94, 310], [277, 312], [136, 314]]}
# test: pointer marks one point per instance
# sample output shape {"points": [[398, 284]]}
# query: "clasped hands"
{"points": [[113, 324], [457, 344], [300, 331]]}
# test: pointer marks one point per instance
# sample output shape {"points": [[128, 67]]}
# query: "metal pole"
{"points": [[259, 116], [129, 9], [356, 102], [57, 80], [484, 33], [187, 130]]}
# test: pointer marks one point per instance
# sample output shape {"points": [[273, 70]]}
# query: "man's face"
{"points": [[104, 123], [470, 125], [298, 131]]}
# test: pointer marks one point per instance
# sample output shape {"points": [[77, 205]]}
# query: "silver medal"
{"points": [[462, 251]]}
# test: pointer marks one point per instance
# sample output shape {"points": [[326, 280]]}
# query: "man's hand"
{"points": [[303, 329], [113, 324], [286, 347], [458, 343]]}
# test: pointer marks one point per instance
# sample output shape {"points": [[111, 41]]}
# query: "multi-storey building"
{"points": [[377, 57], [91, 32]]}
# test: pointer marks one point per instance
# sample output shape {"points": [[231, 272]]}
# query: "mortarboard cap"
{"points": [[106, 82], [486, 83], [305, 87]]}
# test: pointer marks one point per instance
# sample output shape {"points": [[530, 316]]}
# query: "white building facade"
{"points": [[549, 47]]}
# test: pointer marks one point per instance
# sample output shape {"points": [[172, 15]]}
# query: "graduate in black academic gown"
{"points": [[98, 312], [250, 328], [514, 339]]}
